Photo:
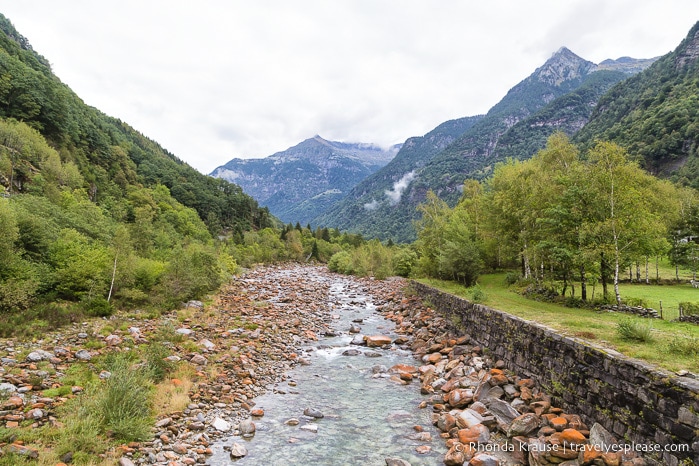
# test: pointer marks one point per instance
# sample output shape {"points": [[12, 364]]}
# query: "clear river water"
{"points": [[367, 417]]}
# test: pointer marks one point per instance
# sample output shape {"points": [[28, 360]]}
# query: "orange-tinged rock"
{"points": [[434, 358], [474, 434], [484, 459], [498, 379], [403, 368], [611, 458], [559, 423], [529, 383], [176, 382], [589, 454], [450, 385], [258, 412], [14, 402], [12, 424], [572, 437], [460, 397], [374, 341]]}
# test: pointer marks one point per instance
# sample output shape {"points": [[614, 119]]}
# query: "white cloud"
{"points": [[373, 205], [217, 79], [399, 187]]}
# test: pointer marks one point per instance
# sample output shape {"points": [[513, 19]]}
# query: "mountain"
{"points": [[299, 183], [374, 198], [110, 154], [655, 115], [93, 214], [559, 95]]}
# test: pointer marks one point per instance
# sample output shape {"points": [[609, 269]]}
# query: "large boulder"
{"points": [[374, 341]]}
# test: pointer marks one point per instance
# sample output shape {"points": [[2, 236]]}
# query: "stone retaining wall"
{"points": [[693, 319], [636, 401]]}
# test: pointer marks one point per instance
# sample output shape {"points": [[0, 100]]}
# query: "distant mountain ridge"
{"points": [[300, 182], [517, 126]]}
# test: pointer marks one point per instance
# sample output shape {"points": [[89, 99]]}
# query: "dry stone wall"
{"points": [[646, 406]]}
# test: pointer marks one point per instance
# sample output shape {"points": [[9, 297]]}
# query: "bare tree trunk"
{"points": [[111, 287], [616, 281], [583, 283], [647, 280], [603, 275], [638, 272]]}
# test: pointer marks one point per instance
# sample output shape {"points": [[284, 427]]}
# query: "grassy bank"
{"points": [[673, 345]]}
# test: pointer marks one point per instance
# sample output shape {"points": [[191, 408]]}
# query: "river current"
{"points": [[367, 417]]}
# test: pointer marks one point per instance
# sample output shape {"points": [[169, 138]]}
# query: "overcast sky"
{"points": [[214, 80]]}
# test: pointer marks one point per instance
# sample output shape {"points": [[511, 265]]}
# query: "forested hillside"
{"points": [[109, 153], [92, 211], [655, 115], [368, 208]]}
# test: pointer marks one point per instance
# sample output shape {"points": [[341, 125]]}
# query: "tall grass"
{"points": [[631, 330]]}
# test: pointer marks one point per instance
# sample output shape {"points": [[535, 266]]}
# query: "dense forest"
{"points": [[93, 212], [655, 115], [562, 216]]}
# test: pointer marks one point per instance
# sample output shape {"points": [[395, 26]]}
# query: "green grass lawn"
{"points": [[601, 327]]}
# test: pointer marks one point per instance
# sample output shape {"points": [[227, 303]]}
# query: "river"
{"points": [[367, 416]]}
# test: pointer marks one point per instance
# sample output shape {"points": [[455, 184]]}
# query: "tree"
{"points": [[628, 216]]}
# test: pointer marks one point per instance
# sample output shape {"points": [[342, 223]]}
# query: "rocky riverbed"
{"points": [[256, 351]]}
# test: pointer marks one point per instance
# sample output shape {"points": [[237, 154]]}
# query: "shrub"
{"points": [[404, 262], [689, 309], [97, 307], [166, 332], [341, 262], [631, 330], [158, 367], [511, 278], [684, 346], [478, 295], [636, 302]]}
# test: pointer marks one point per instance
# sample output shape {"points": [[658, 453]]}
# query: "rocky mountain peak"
{"points": [[563, 66], [627, 65], [689, 49]]}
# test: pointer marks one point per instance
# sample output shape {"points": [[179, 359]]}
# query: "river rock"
{"points": [[351, 352], [396, 462], [468, 418], [373, 341], [477, 433], [238, 450], [198, 360], [523, 425], [454, 457], [310, 428], [460, 398], [313, 412], [358, 340], [83, 355], [112, 340], [6, 388], [221, 425], [484, 459], [39, 355], [247, 428]]}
